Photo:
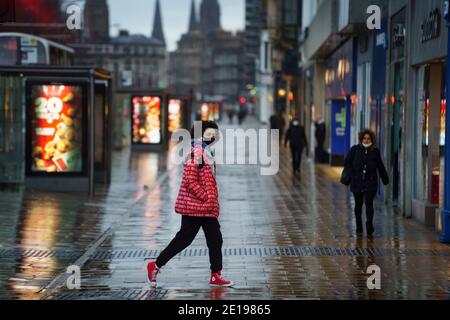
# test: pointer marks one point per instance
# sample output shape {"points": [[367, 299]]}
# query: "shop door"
{"points": [[11, 130], [396, 139]]}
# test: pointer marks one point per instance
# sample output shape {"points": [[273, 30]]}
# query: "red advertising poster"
{"points": [[175, 115], [146, 120], [56, 132]]}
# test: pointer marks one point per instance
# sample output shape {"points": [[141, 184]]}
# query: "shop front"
{"points": [[428, 60], [341, 100], [393, 132], [371, 84], [378, 100]]}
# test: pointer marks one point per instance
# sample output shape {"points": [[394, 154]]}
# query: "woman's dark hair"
{"points": [[369, 132], [205, 125]]}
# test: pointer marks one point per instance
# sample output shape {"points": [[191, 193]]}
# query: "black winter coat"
{"points": [[296, 136], [363, 166]]}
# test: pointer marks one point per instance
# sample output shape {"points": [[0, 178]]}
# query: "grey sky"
{"points": [[137, 16]]}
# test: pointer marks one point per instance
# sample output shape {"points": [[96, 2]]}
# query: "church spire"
{"points": [[96, 20], [158, 32], [193, 23], [209, 16]]}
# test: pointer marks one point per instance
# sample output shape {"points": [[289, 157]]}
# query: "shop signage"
{"points": [[399, 35], [431, 27], [381, 40], [29, 50]]}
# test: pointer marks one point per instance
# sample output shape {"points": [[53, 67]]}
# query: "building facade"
{"points": [[280, 32], [424, 112], [390, 79], [96, 21], [208, 61], [138, 62], [253, 27]]}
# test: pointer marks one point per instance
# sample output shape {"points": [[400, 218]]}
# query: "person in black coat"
{"points": [[321, 131], [363, 164], [296, 137]]}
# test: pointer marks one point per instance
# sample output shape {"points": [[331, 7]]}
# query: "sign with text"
{"points": [[56, 114]]}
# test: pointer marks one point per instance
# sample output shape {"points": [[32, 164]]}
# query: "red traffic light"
{"points": [[243, 100]]}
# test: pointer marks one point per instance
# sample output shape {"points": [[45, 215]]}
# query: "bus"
{"points": [[25, 49]]}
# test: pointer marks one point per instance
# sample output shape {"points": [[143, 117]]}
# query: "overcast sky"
{"points": [[137, 16]]}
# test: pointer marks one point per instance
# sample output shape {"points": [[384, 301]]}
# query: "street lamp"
{"points": [[445, 235]]}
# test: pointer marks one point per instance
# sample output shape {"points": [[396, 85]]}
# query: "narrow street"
{"points": [[284, 238]]}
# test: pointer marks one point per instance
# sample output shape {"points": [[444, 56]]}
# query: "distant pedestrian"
{"points": [[296, 137], [242, 114], [231, 112], [274, 122], [362, 166], [282, 123], [198, 203], [321, 130]]}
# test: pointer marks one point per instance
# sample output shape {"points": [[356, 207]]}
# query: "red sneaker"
{"points": [[218, 281], [152, 273]]}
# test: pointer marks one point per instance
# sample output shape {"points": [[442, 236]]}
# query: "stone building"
{"points": [[96, 21], [137, 61], [208, 60]]}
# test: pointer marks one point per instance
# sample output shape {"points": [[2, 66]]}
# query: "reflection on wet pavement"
{"points": [[284, 238], [64, 222]]}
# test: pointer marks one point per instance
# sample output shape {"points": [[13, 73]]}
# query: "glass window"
{"points": [[425, 126], [8, 50]]}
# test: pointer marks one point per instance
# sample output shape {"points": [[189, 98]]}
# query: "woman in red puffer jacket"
{"points": [[198, 203]]}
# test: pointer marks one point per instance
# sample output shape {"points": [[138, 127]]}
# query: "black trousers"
{"points": [[320, 151], [361, 199], [297, 154], [190, 226]]}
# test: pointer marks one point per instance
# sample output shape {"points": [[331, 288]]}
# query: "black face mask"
{"points": [[210, 142]]}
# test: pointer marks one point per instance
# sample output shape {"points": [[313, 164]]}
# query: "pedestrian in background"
{"points": [[242, 114], [296, 137], [198, 203], [231, 112], [282, 124], [274, 122], [321, 130], [362, 166]]}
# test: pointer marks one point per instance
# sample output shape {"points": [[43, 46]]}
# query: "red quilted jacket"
{"points": [[198, 196]]}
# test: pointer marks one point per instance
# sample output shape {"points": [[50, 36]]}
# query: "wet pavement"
{"points": [[284, 238]]}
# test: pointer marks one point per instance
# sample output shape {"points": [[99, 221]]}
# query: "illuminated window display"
{"points": [[56, 116], [210, 111], [175, 115], [429, 146], [146, 120]]}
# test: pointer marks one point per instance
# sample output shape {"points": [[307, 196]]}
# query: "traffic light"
{"points": [[7, 11], [243, 100]]}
